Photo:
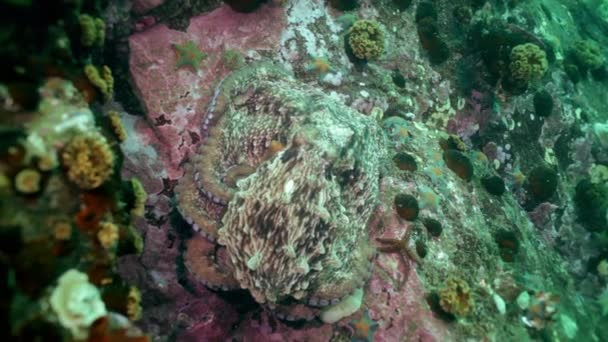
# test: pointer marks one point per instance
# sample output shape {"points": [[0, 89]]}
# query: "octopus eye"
{"points": [[289, 154], [348, 177]]}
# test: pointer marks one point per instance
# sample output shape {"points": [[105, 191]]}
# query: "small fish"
{"points": [[319, 65], [274, 148]]}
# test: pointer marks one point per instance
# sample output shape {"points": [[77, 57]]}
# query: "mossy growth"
{"points": [[366, 39], [573, 73], [102, 79], [591, 201], [117, 127], [528, 63], [139, 198], [463, 14], [586, 55], [543, 103], [233, 59], [92, 30]]}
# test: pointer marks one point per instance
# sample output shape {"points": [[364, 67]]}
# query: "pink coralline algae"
{"points": [[474, 117], [175, 100], [284, 183]]}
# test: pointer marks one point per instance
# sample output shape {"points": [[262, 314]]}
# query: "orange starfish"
{"points": [[363, 328], [319, 65]]}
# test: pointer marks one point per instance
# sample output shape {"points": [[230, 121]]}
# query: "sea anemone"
{"points": [[77, 303], [88, 160], [27, 181], [107, 234], [455, 297]]}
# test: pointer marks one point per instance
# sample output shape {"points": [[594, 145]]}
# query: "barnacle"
{"points": [[587, 54], [27, 181]]}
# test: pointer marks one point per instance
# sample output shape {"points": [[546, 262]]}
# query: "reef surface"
{"points": [[304, 170]]}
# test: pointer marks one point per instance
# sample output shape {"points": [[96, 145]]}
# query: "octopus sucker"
{"points": [[205, 262], [190, 202], [339, 281], [295, 312], [236, 172], [279, 183]]}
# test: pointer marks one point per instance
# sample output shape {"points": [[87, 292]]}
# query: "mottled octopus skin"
{"points": [[281, 192]]}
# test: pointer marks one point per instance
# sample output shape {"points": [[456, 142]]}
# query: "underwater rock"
{"points": [[175, 99]]}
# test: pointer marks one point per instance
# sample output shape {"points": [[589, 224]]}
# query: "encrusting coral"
{"points": [[528, 62], [107, 234], [88, 160], [456, 297], [292, 222], [366, 39], [587, 54]]}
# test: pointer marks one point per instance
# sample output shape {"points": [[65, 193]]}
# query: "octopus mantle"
{"points": [[280, 193]]}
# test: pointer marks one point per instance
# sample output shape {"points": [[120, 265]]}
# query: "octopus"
{"points": [[280, 193]]}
